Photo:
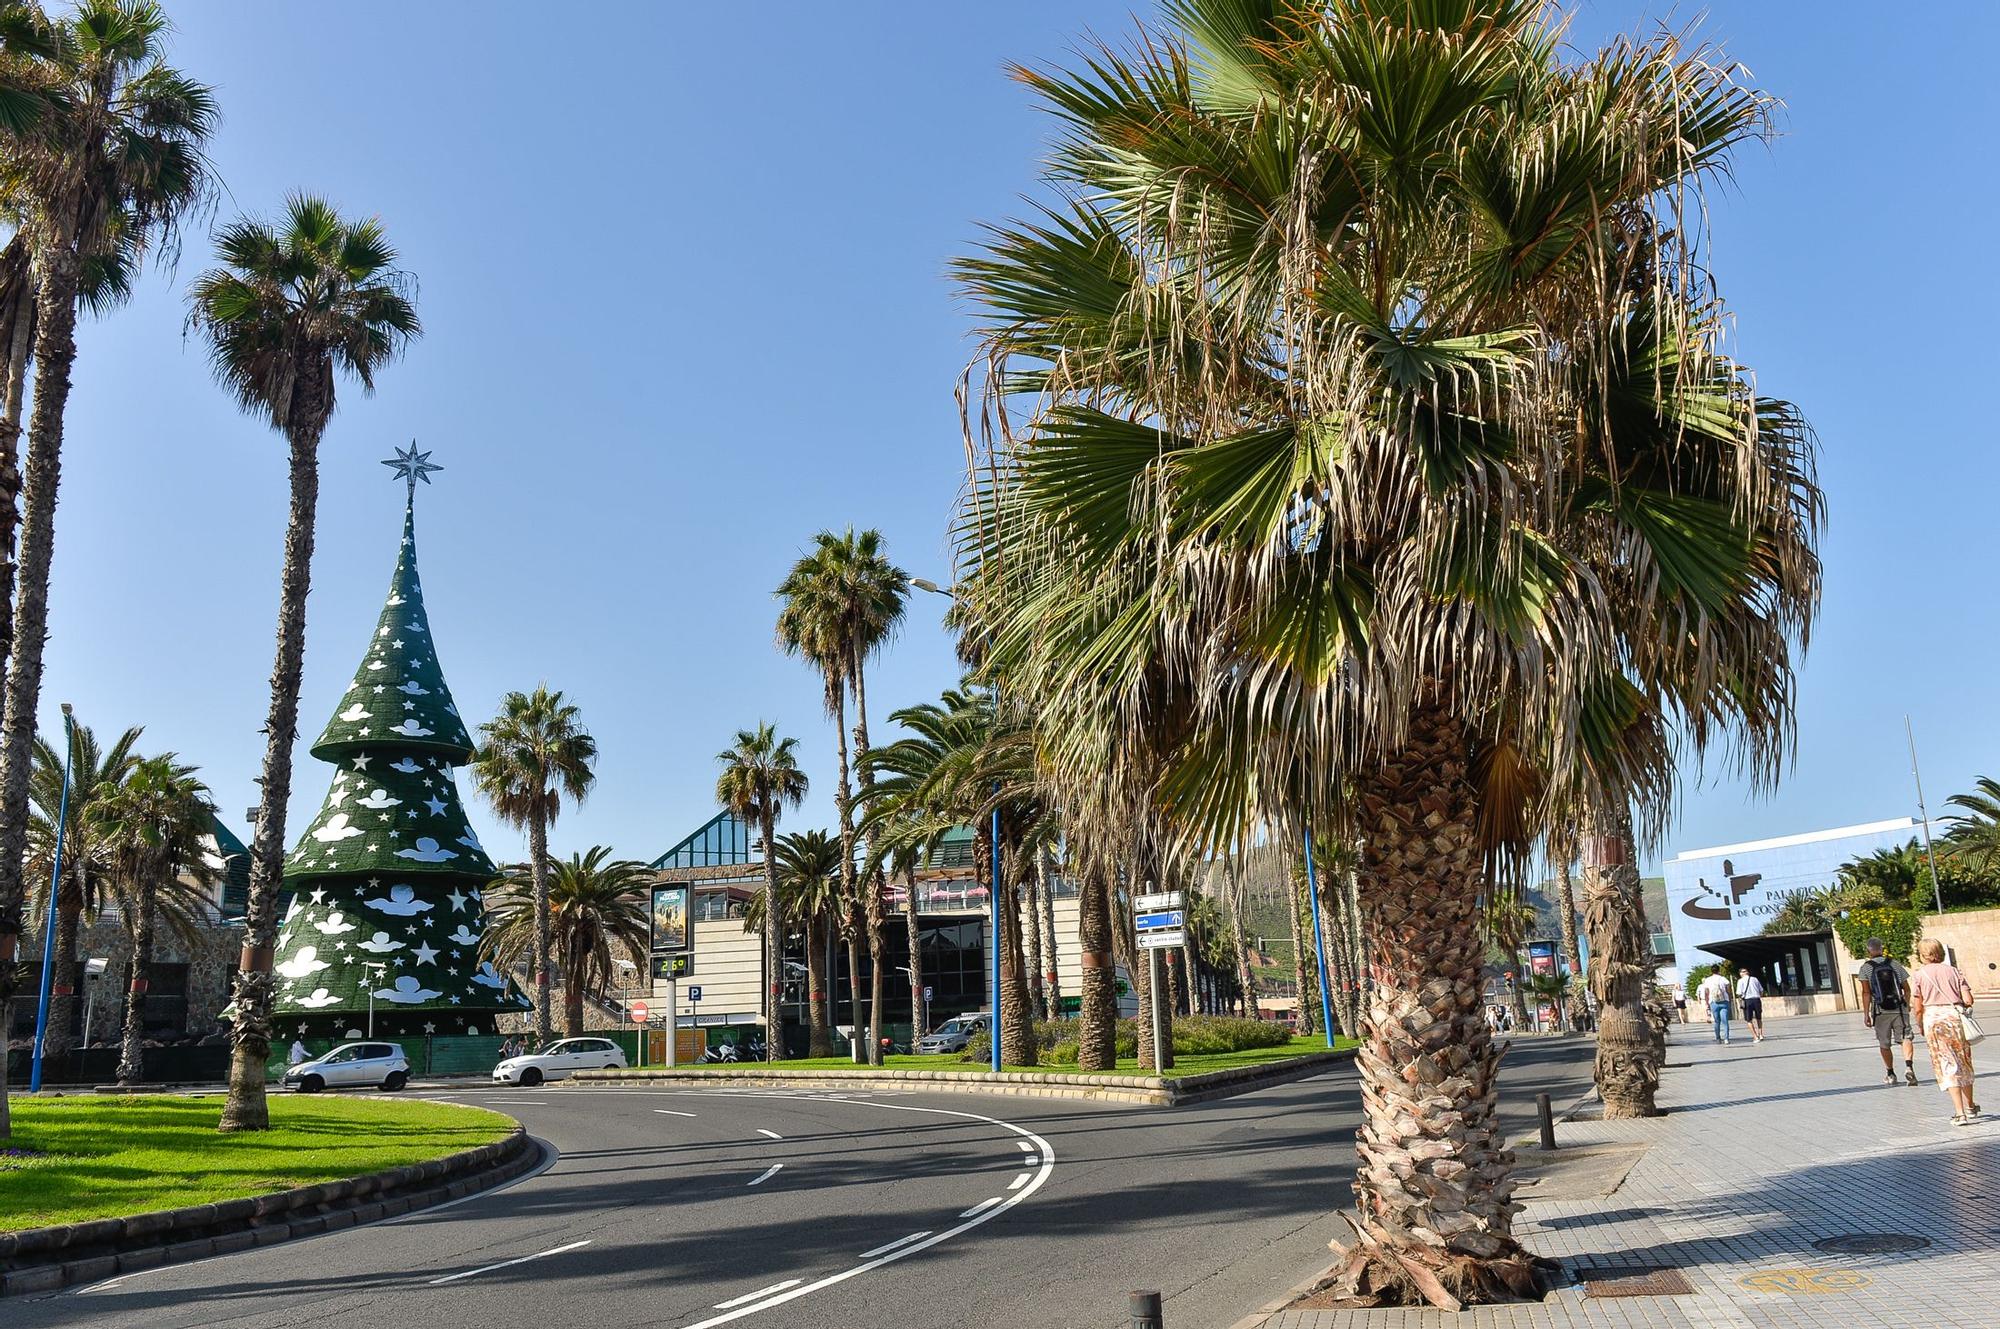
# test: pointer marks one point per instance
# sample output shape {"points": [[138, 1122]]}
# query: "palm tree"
{"points": [[599, 909], [760, 779], [810, 899], [1363, 456], [842, 601], [95, 774], [293, 305], [1975, 829], [100, 151], [531, 754], [1563, 851], [153, 826]]}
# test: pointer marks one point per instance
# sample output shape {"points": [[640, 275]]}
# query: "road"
{"points": [[693, 1209]]}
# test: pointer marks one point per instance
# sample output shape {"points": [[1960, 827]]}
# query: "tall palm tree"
{"points": [[1562, 850], [599, 910], [1974, 833], [153, 826], [531, 755], [810, 899], [841, 602], [95, 773], [101, 151], [760, 779], [1357, 451], [293, 305]]}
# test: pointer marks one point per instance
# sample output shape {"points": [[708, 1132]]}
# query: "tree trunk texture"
{"points": [[15, 385], [1354, 949], [1097, 1018], [245, 1109], [854, 1006], [1579, 1000], [62, 991], [1245, 974], [843, 802], [1303, 984], [819, 1036], [572, 997], [914, 927], [1339, 976], [1614, 912], [1032, 929], [1434, 1198], [1051, 982], [1018, 1046], [872, 913], [1142, 984], [774, 955], [54, 351], [132, 1046], [538, 876]]}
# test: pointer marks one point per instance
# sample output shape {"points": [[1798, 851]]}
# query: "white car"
{"points": [[560, 1059], [373, 1065], [953, 1034]]}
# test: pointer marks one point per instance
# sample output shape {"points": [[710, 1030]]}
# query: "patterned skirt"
{"points": [[1951, 1055]]}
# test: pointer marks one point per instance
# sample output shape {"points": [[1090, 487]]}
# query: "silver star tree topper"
{"points": [[412, 466]]}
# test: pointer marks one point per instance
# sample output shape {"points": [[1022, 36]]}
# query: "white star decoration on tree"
{"points": [[412, 466]]}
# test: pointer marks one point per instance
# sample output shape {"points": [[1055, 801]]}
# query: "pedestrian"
{"points": [[298, 1055], [1940, 1000], [1885, 1007], [1714, 994], [1750, 991], [1681, 1005]]}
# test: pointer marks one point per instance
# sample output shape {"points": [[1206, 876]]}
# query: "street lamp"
{"points": [[627, 979], [49, 926], [377, 970], [925, 584], [92, 969]]}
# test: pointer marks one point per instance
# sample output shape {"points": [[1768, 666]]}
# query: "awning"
{"points": [[1763, 949]]}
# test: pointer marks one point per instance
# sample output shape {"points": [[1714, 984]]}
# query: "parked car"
{"points": [[559, 1059], [374, 1065], [953, 1034]]}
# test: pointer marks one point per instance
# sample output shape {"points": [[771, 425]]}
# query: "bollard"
{"points": [[1548, 1116], [1146, 1311]]}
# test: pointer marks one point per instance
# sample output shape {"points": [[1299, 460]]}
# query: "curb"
{"points": [[43, 1259], [1135, 1090]]}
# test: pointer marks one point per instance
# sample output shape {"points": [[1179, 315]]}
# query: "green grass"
{"points": [[1188, 1064], [107, 1157]]}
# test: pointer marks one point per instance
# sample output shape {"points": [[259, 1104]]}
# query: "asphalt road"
{"points": [[693, 1209]]}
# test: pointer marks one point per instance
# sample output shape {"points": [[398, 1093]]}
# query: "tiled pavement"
{"points": [[1766, 1149]]}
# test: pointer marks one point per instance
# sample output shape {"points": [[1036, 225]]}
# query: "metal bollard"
{"points": [[1548, 1116], [1146, 1311]]}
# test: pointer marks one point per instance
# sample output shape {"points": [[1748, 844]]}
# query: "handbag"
{"points": [[1973, 1033]]}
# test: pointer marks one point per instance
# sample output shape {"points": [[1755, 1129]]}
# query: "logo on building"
{"points": [[1739, 886]]}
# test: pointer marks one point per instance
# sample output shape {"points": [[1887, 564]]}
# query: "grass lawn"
{"points": [[1187, 1064], [72, 1159]]}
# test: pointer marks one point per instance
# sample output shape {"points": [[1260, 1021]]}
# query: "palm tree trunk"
{"points": [[245, 1108], [1038, 1007], [843, 798], [1628, 1068], [1097, 1016], [1245, 975], [538, 877], [15, 386], [1354, 957], [1052, 983], [774, 960], [1520, 987], [55, 350], [854, 1007], [132, 1054], [1141, 969], [1302, 983], [1017, 1031], [1579, 1002], [871, 890], [573, 959], [62, 991], [1433, 1192], [820, 1028], [915, 930]]}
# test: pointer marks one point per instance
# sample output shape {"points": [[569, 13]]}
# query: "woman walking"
{"points": [[1939, 998]]}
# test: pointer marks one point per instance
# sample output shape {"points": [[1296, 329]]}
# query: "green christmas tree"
{"points": [[383, 891]]}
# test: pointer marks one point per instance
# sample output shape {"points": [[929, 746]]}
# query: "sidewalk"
{"points": [[1766, 1150]]}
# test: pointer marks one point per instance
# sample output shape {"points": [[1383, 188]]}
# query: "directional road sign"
{"points": [[1165, 918], [1163, 940], [640, 1011], [1160, 900]]}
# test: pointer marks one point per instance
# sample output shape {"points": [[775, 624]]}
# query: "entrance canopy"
{"points": [[1789, 963]]}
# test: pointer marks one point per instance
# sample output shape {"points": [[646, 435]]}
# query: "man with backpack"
{"points": [[1885, 1007]]}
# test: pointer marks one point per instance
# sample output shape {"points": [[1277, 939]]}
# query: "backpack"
{"points": [[1882, 983]]}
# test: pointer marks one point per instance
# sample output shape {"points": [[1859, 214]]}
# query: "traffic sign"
{"points": [[694, 992], [1162, 940], [1158, 900], [640, 1011], [1166, 918], [927, 992]]}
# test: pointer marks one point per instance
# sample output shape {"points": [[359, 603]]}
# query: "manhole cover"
{"points": [[1871, 1243], [1635, 1283]]}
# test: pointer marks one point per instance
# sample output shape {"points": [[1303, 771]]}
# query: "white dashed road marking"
{"points": [[769, 1173], [760, 1292], [900, 1241], [982, 1207], [489, 1268], [769, 1134]]}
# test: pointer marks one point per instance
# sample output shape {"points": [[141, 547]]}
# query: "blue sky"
{"points": [[683, 283]]}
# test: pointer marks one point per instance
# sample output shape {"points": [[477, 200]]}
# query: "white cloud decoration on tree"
{"points": [[402, 902], [320, 997], [380, 944], [334, 924], [427, 851], [336, 830], [306, 962], [406, 992]]}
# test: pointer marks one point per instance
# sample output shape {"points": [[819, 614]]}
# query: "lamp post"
{"points": [[1937, 891], [92, 969], [49, 925], [925, 584], [377, 971], [628, 977]]}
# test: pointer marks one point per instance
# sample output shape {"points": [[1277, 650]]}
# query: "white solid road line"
{"points": [[769, 1173], [772, 1134], [669, 1112], [1044, 1154], [900, 1241], [760, 1292], [1018, 1182], [982, 1207], [489, 1268]]}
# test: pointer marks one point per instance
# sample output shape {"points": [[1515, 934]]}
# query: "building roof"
{"points": [[1809, 837]]}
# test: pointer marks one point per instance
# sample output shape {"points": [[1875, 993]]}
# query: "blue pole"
{"points": [[1319, 943], [996, 935], [49, 924]]}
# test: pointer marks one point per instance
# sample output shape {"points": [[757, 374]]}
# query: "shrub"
{"points": [[1701, 971], [1897, 928], [1060, 1041]]}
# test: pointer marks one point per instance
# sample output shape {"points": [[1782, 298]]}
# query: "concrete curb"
{"points": [[1137, 1090], [43, 1259]]}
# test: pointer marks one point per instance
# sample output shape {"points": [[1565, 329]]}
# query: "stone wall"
{"points": [[1973, 941], [210, 960]]}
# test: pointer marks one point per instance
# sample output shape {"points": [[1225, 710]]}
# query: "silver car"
{"points": [[953, 1034], [351, 1065]]}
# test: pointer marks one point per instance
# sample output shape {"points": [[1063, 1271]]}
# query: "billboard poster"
{"points": [[1732, 891], [670, 918]]}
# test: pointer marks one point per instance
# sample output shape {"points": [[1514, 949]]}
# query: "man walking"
{"points": [[1750, 991], [1714, 994], [1885, 1007]]}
